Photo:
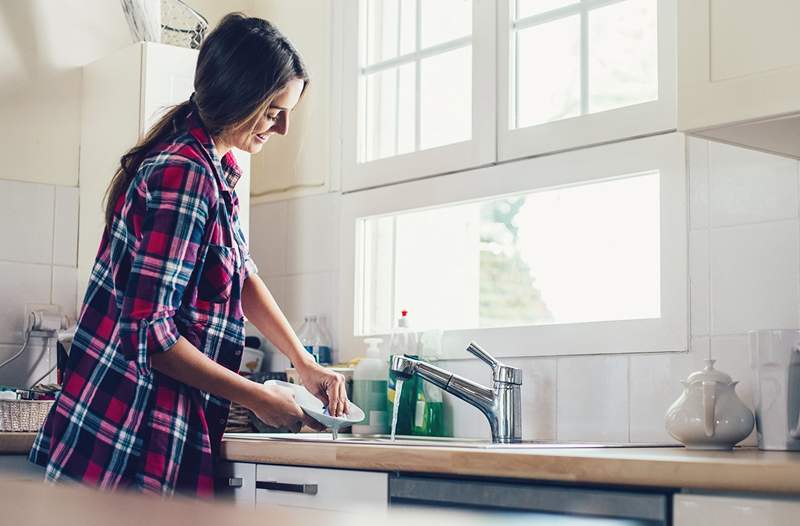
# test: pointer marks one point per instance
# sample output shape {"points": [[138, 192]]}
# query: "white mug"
{"points": [[775, 361]]}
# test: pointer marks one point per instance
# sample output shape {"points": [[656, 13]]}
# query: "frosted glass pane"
{"points": [[388, 106], [580, 254], [446, 98], [537, 7], [390, 29], [623, 54], [445, 20], [548, 72]]}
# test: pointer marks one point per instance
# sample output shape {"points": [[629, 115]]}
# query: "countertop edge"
{"points": [[743, 470]]}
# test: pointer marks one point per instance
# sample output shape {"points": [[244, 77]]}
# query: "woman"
{"points": [[155, 357]]}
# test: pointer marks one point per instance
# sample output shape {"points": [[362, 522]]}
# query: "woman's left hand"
{"points": [[328, 386]]}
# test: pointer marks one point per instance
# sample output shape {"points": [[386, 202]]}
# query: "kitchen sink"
{"points": [[409, 440]]}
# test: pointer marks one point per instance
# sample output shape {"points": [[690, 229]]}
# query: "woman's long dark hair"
{"points": [[242, 65]]}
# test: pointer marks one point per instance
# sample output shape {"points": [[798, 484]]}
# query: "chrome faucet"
{"points": [[501, 404]]}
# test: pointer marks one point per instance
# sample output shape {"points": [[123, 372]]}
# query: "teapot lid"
{"points": [[709, 374]]}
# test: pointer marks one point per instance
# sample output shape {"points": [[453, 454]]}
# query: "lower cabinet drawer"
{"points": [[324, 489]]}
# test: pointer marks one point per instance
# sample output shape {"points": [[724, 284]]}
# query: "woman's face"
{"points": [[274, 120]]}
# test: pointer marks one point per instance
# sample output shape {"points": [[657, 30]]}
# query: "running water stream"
{"points": [[398, 390]]}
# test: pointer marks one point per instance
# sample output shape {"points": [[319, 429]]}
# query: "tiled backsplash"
{"points": [[38, 258], [744, 250]]}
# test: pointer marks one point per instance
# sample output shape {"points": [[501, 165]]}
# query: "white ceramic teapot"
{"points": [[709, 414]]}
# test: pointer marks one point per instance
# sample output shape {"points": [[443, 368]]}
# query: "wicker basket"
{"points": [[23, 415]]}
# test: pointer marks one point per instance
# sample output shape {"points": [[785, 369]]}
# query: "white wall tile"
{"points": [[308, 294], [593, 398], [277, 286], [538, 397], [699, 282], [20, 283], [35, 360], [699, 210], [26, 216], [65, 290], [65, 236], [268, 237], [313, 234], [655, 385], [754, 277], [749, 186], [467, 421]]}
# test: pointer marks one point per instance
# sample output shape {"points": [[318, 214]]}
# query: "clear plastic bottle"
{"points": [[325, 348], [309, 335], [369, 390]]}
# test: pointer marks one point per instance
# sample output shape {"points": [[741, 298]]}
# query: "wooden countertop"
{"points": [[15, 443], [744, 469]]}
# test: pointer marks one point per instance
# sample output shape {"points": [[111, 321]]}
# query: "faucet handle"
{"points": [[473, 348], [500, 372]]}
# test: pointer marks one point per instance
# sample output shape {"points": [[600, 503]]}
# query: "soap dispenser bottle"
{"points": [[369, 390]]}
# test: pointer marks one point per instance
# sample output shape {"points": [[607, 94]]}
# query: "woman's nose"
{"points": [[282, 126]]}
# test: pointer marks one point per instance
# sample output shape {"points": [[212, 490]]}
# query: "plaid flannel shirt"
{"points": [[172, 264]]}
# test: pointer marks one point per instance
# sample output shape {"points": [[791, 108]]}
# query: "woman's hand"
{"points": [[276, 407], [326, 385]]}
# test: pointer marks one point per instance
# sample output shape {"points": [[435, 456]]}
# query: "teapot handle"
{"points": [[709, 406]]}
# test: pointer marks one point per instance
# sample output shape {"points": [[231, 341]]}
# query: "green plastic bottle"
{"points": [[403, 342], [429, 413]]}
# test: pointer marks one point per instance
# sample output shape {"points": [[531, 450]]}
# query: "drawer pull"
{"points": [[307, 489], [235, 482]]}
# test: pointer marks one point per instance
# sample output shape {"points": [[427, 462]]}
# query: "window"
{"points": [[574, 73], [571, 58], [415, 85], [419, 95], [579, 252], [437, 86], [576, 254]]}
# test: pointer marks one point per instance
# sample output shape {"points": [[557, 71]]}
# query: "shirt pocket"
{"points": [[216, 280]]}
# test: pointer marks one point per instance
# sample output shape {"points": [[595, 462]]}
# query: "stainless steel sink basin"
{"points": [[406, 440]]}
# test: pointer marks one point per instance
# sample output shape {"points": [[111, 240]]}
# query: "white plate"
{"points": [[315, 409]]}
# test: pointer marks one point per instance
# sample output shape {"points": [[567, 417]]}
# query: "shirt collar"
{"points": [[227, 166]]}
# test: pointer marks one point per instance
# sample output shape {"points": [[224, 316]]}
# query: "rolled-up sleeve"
{"points": [[179, 197], [248, 263]]}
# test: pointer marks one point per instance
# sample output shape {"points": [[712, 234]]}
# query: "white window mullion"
{"points": [[397, 82], [584, 59], [418, 78]]}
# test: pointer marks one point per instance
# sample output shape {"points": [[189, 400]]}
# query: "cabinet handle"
{"points": [[235, 482], [307, 489]]}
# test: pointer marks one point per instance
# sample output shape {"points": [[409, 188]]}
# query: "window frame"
{"points": [[665, 153], [479, 150], [638, 120]]}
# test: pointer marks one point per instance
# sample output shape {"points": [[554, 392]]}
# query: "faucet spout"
{"points": [[501, 404]]}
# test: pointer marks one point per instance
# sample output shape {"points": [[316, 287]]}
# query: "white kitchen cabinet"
{"points": [[739, 72], [304, 161], [717, 510], [323, 489], [123, 96], [252, 485]]}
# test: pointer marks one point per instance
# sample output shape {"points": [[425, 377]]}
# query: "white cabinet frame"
{"points": [[594, 128], [665, 153], [479, 150]]}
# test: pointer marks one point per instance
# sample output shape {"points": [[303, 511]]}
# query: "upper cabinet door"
{"points": [[739, 72], [573, 73], [418, 89]]}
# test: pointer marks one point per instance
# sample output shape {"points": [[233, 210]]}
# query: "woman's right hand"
{"points": [[276, 407]]}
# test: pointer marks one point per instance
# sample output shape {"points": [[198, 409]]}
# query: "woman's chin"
{"points": [[255, 147]]}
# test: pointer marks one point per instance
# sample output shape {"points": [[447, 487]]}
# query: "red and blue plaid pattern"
{"points": [[172, 264]]}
